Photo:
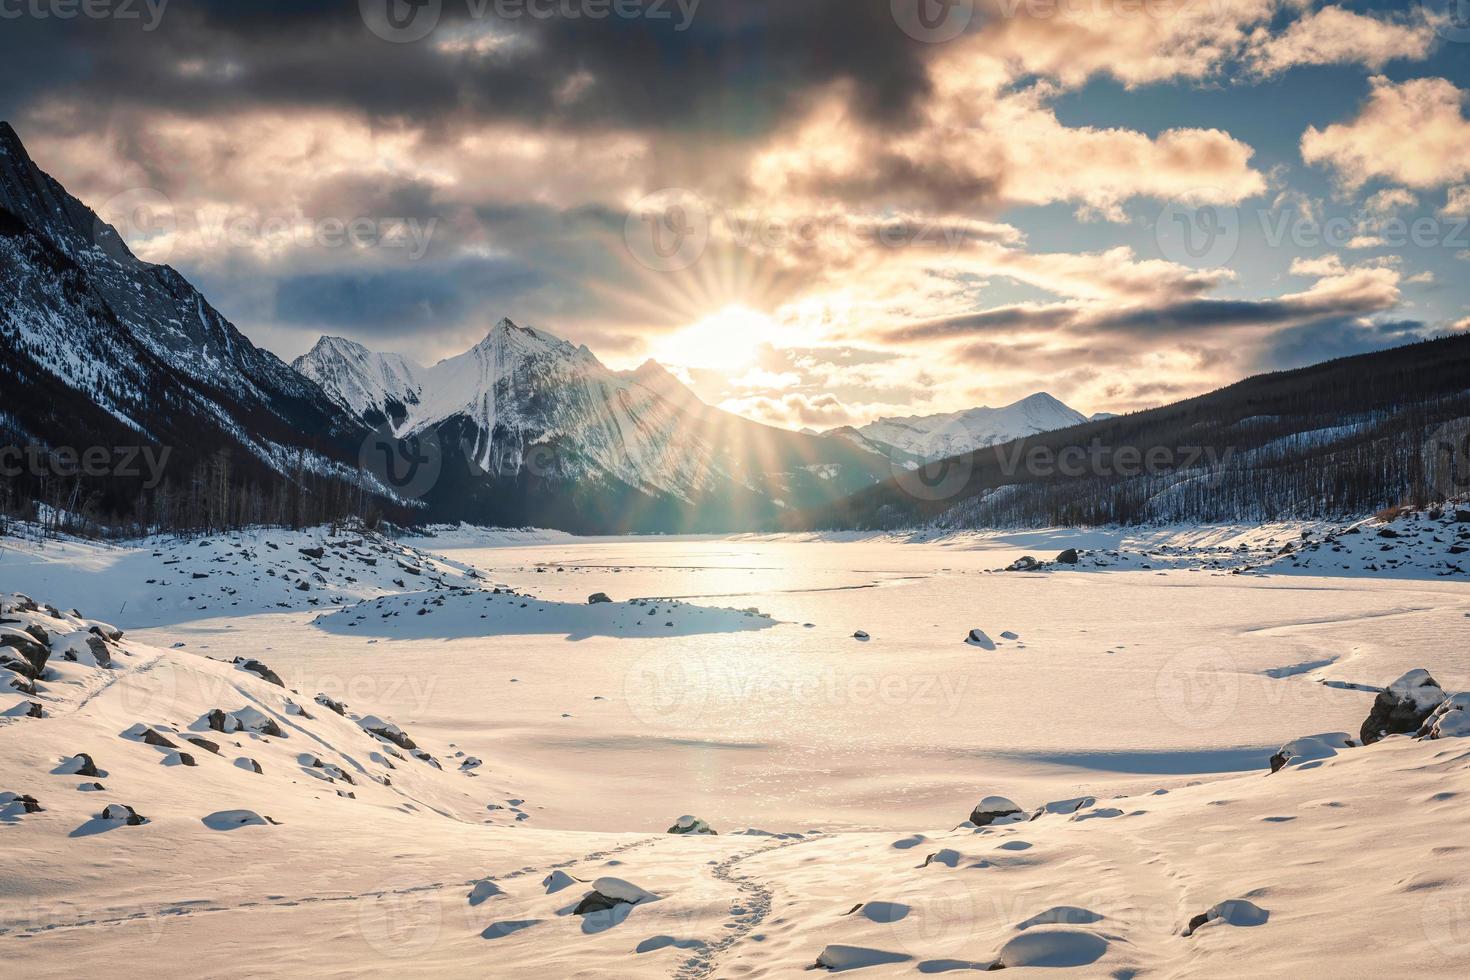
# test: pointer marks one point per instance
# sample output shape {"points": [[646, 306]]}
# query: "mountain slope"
{"points": [[530, 429], [102, 349], [1343, 438], [931, 437]]}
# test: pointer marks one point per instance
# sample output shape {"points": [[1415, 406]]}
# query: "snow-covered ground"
{"points": [[507, 753]]}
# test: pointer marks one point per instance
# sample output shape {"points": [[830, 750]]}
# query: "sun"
{"points": [[727, 340]]}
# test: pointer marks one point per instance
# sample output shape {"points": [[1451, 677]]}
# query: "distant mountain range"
{"points": [[530, 429], [1347, 437], [917, 439], [100, 349]]}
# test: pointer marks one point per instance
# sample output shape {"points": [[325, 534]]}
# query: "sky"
{"points": [[818, 212]]}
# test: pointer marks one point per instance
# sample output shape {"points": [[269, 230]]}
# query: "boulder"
{"points": [[597, 598], [259, 670], [314, 553], [22, 802], [861, 635], [81, 764], [1402, 707], [28, 657], [122, 812], [331, 705], [995, 809], [1450, 719], [388, 731], [691, 825], [1068, 557], [203, 743], [1312, 748], [979, 638], [608, 893], [244, 720], [151, 737], [1025, 563], [1462, 517]]}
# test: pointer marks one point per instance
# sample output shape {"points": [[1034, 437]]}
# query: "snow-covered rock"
{"points": [[691, 825], [1311, 748], [1450, 719], [995, 809], [1402, 706]]}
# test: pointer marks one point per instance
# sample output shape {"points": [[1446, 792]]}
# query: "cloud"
{"points": [[1335, 35], [1412, 133], [1457, 203]]}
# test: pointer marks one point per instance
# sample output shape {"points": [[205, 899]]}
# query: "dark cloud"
{"points": [[403, 300], [1329, 339], [739, 68]]}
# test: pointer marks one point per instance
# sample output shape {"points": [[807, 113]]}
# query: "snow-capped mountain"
{"points": [[533, 429], [103, 349], [922, 438]]}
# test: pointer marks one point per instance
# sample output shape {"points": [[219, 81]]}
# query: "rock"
{"points": [[995, 809], [1462, 517], [1311, 749], [1450, 719], [34, 710], [259, 670], [151, 737], [251, 764], [1068, 557], [1402, 707], [861, 635], [314, 553], [1025, 563], [84, 766], [203, 743], [29, 658], [608, 893], [185, 759], [978, 637], [22, 801], [1235, 912], [331, 705], [597, 598], [691, 825], [244, 720], [1388, 532], [388, 731], [123, 812]]}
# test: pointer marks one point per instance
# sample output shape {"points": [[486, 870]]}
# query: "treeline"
{"points": [[210, 495], [1348, 437]]}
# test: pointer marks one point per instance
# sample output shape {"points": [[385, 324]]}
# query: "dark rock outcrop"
{"points": [[259, 670], [1402, 707], [1068, 557]]}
